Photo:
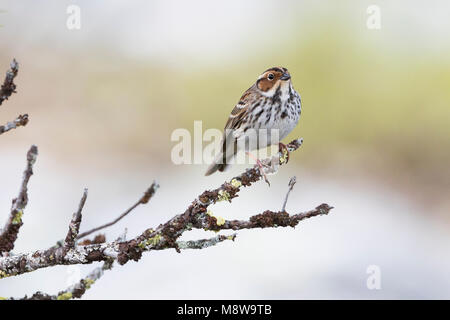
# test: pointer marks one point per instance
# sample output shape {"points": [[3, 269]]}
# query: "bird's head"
{"points": [[272, 79]]}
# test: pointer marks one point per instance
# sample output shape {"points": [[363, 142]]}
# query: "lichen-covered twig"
{"points": [[165, 236], [8, 234], [270, 219], [6, 90], [204, 243], [149, 240], [74, 226], [77, 290], [8, 87], [148, 194], [20, 121]]}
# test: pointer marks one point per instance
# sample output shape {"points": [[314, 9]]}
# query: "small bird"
{"points": [[271, 103]]}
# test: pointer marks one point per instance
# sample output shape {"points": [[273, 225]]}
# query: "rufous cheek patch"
{"points": [[265, 85]]}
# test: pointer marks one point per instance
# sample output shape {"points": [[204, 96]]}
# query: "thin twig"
{"points": [[8, 234], [8, 87], [77, 290], [20, 121], [123, 236], [291, 186], [6, 90], [74, 226], [143, 200], [204, 243]]}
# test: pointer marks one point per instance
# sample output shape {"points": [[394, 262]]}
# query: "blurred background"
{"points": [[103, 101]]}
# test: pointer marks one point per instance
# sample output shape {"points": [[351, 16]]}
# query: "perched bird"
{"points": [[271, 103]]}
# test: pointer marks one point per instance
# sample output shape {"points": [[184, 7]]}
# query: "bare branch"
{"points": [[8, 87], [143, 200], [291, 186], [20, 121], [77, 290], [74, 226], [8, 235], [271, 219], [204, 243], [165, 236], [149, 240]]}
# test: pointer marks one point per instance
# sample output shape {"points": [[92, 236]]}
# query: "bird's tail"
{"points": [[220, 163], [222, 160], [216, 167]]}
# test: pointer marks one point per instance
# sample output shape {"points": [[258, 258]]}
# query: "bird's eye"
{"points": [[270, 76]]}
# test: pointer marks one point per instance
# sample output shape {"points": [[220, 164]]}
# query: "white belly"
{"points": [[270, 133], [273, 125]]}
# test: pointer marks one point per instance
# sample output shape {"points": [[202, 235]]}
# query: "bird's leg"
{"points": [[282, 149], [260, 166]]}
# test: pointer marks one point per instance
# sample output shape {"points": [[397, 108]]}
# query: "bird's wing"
{"points": [[240, 111], [234, 127]]}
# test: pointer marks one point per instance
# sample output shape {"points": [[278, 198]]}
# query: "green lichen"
{"points": [[3, 298], [88, 282], [219, 220], [223, 196], [3, 274], [153, 241], [65, 296], [17, 217], [283, 158], [236, 183]]}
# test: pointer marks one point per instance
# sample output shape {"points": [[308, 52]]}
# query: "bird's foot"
{"points": [[261, 166], [261, 170]]}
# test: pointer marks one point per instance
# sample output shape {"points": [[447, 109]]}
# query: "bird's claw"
{"points": [[261, 170]]}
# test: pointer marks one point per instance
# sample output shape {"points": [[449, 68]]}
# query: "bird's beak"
{"points": [[285, 76]]}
